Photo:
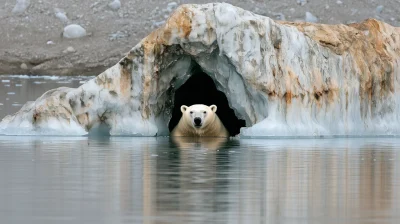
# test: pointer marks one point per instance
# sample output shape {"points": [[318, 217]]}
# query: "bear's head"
{"points": [[198, 115]]}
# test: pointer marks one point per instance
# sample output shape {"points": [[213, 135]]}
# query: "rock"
{"points": [[61, 15], [115, 5], [50, 42], [310, 18], [283, 78], [118, 35], [172, 6], [279, 16], [379, 9], [94, 4], [339, 2], [69, 50], [301, 2], [24, 66], [350, 21], [156, 24], [74, 31], [21, 6]]}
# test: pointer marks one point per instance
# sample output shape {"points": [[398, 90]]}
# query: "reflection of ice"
{"points": [[10, 93], [267, 180], [1, 104], [5, 80], [18, 85], [200, 143], [16, 104]]}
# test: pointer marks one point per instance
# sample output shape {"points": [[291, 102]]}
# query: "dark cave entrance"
{"points": [[200, 89]]}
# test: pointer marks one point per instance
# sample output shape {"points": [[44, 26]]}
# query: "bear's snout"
{"points": [[197, 121]]}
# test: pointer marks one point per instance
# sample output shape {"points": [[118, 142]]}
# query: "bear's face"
{"points": [[198, 115]]}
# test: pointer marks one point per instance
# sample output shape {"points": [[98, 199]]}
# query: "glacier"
{"points": [[282, 78]]}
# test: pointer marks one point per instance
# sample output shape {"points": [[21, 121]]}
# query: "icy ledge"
{"points": [[284, 79]]}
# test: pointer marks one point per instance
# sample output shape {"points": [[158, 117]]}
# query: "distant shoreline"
{"points": [[31, 41]]}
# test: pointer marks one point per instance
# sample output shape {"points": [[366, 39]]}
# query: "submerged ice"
{"points": [[284, 79]]}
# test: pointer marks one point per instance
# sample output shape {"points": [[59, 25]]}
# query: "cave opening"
{"points": [[201, 89]]}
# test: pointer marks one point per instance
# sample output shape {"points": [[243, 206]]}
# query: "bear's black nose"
{"points": [[197, 121]]}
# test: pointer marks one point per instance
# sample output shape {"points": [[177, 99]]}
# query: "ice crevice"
{"points": [[282, 78]]}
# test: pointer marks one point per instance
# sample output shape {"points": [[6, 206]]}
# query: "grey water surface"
{"points": [[162, 180], [154, 180]]}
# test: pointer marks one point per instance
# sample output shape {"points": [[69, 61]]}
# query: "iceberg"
{"points": [[282, 78]]}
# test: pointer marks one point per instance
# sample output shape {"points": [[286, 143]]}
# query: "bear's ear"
{"points": [[183, 108], [213, 108]]}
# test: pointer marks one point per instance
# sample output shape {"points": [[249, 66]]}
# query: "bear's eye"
{"points": [[204, 112], [191, 112]]}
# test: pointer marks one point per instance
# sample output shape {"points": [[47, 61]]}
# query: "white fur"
{"points": [[211, 124]]}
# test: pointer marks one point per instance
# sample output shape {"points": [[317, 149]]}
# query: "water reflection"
{"points": [[150, 180], [199, 142]]}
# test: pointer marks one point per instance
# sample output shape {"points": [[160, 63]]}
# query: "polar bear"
{"points": [[200, 120]]}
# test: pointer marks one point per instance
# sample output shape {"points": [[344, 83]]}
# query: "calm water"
{"points": [[16, 90], [157, 180], [151, 180]]}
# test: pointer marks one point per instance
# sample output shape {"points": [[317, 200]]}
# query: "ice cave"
{"points": [[276, 79], [200, 89]]}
